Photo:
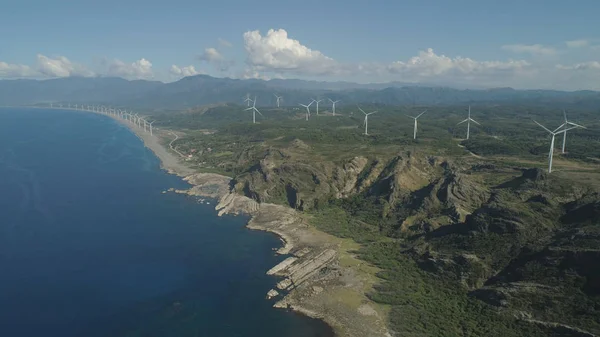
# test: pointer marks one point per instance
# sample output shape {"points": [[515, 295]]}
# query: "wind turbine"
{"points": [[415, 118], [254, 111], [565, 124], [554, 133], [278, 98], [151, 127], [247, 100], [468, 120], [314, 100], [366, 122], [333, 102], [307, 108]]}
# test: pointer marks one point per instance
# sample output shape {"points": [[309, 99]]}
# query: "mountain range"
{"points": [[203, 89]]}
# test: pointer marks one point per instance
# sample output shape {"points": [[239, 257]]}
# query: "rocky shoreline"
{"points": [[311, 278], [311, 275]]}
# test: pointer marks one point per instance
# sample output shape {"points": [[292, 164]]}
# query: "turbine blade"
{"points": [[545, 128], [259, 112], [250, 108], [421, 114], [462, 121], [565, 114], [410, 116], [363, 111], [330, 100], [565, 130], [577, 125], [474, 121], [561, 126]]}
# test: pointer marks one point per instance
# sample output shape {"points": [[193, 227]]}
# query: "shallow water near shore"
{"points": [[90, 246]]}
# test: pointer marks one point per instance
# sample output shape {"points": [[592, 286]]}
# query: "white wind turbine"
{"points": [[469, 120], [247, 100], [307, 108], [333, 103], [314, 100], [278, 98], [151, 127], [415, 118], [366, 122], [254, 111], [564, 125], [553, 133]]}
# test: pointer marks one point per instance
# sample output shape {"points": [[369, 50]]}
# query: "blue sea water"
{"points": [[90, 246]]}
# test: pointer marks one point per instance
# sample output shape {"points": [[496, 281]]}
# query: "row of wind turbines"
{"points": [[562, 129], [131, 117]]}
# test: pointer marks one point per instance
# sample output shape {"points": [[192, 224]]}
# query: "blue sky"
{"points": [[522, 44]]}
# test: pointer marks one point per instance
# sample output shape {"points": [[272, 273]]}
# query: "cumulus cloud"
{"points": [[577, 43], [211, 55], [140, 69], [60, 67], [429, 65], [183, 71], [278, 53], [8, 70], [215, 58], [224, 43], [534, 49]]}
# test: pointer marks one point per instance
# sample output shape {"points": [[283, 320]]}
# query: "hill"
{"points": [[202, 89]]}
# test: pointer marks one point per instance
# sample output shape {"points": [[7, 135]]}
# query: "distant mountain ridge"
{"points": [[203, 89]]}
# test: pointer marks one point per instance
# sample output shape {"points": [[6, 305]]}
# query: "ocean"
{"points": [[90, 245]]}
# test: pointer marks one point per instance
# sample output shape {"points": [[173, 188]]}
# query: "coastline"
{"points": [[303, 287]]}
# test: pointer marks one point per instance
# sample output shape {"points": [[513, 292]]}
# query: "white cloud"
{"points": [[215, 58], [534, 49], [140, 69], [183, 71], [593, 65], [224, 43], [8, 70], [211, 55], [60, 67], [253, 74], [430, 66], [276, 52], [577, 43]]}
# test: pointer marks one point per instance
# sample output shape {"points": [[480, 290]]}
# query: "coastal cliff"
{"points": [[310, 277]]}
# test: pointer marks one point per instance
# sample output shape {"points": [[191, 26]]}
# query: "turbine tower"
{"points": [[333, 107], [254, 111], [566, 124], [366, 122], [314, 100], [415, 118], [307, 108], [469, 120], [278, 98], [553, 133]]}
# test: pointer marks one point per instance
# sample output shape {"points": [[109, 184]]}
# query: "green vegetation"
{"points": [[468, 234]]}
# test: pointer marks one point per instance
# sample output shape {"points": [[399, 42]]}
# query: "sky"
{"points": [[530, 44]]}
